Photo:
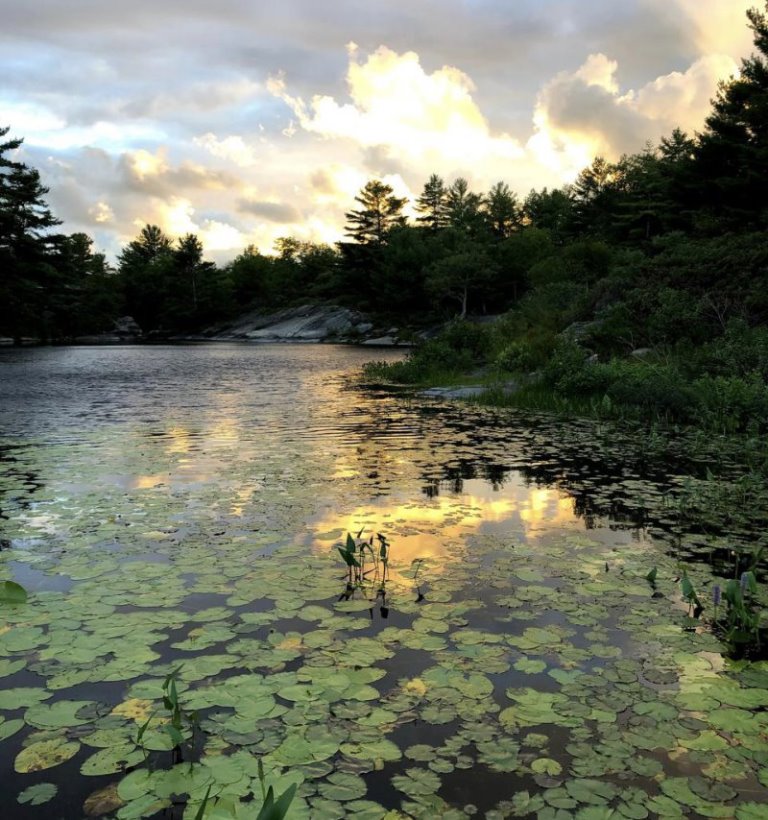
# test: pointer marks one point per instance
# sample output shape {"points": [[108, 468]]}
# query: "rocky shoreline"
{"points": [[307, 324]]}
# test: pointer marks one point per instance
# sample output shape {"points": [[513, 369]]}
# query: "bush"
{"points": [[516, 357], [732, 404], [569, 373], [655, 391], [459, 348]]}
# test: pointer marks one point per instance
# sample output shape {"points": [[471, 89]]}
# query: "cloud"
{"points": [[397, 104], [271, 211], [582, 114], [128, 125]]}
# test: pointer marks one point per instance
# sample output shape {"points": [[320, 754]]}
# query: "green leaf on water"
{"points": [[12, 593], [545, 765], [38, 794]]}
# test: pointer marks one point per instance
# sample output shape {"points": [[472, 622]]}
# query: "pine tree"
{"points": [[27, 246], [463, 207], [381, 211], [432, 204], [732, 155], [502, 210]]}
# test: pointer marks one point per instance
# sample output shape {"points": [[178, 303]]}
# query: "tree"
{"points": [[732, 153], [144, 275], [27, 246], [87, 296], [463, 207], [464, 271], [594, 198], [550, 210], [433, 204], [381, 211], [502, 211]]}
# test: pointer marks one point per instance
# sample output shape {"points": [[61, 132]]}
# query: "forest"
{"points": [[644, 282]]}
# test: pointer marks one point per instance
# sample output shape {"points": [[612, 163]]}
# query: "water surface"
{"points": [[179, 507]]}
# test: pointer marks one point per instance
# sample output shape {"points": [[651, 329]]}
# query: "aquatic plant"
{"points": [[274, 808], [741, 619], [12, 593], [178, 716]]}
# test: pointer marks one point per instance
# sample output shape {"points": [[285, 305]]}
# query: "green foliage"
{"points": [[380, 211], [741, 618], [12, 593], [516, 357]]}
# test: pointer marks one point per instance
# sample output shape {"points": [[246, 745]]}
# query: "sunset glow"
{"points": [[244, 140]]}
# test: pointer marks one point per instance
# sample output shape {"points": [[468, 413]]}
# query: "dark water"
{"points": [[174, 479]]}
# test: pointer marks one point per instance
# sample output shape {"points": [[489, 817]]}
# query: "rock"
{"points": [[381, 341], [593, 359], [308, 323], [641, 352], [100, 339], [466, 392], [363, 328], [126, 326], [579, 331]]}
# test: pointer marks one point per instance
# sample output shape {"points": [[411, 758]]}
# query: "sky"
{"points": [[243, 120]]}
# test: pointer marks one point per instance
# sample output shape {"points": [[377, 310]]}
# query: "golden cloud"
{"points": [[394, 102]]}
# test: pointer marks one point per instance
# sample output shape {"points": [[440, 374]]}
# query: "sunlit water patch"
{"points": [[176, 511]]}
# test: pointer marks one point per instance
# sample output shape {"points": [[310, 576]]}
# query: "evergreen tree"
{"points": [[594, 199], [463, 207], [27, 246], [732, 155], [381, 211], [432, 204], [144, 275], [550, 210], [502, 211]]}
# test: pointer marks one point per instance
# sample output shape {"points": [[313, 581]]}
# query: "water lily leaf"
{"points": [[420, 752], [12, 593], [134, 785], [342, 786], [38, 794], [707, 741], [417, 782], [45, 754], [145, 806], [9, 728], [735, 720], [101, 802], [750, 811], [10, 667], [529, 666], [57, 715], [594, 792], [378, 750], [22, 698], [545, 765], [634, 811], [656, 709], [295, 750], [112, 760]]}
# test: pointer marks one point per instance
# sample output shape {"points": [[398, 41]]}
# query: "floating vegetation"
{"points": [[197, 641]]}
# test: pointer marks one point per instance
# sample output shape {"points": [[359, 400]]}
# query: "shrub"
{"points": [[516, 357], [732, 404]]}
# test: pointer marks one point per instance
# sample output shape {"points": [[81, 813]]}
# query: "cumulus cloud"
{"points": [[189, 131], [582, 114], [394, 102]]}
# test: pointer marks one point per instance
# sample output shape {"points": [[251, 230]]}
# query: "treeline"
{"points": [[641, 290], [663, 247]]}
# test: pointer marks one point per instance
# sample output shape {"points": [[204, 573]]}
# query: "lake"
{"points": [[178, 516]]}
